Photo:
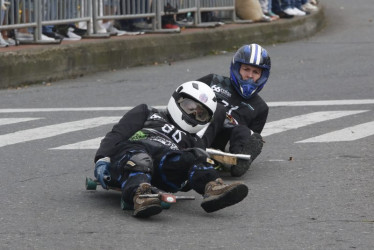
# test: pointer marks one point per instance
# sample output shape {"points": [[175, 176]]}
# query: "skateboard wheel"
{"points": [[90, 184], [165, 205]]}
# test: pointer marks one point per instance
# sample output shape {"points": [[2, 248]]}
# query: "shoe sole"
{"points": [[230, 198], [148, 211]]}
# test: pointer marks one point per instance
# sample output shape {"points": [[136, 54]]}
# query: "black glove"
{"points": [[253, 146], [194, 155]]}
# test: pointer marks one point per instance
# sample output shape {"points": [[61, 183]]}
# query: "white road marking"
{"points": [[7, 121], [54, 130], [271, 104], [346, 134], [321, 103], [88, 144], [304, 120], [36, 110]]}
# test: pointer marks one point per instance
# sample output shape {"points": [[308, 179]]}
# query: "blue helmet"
{"points": [[253, 55]]}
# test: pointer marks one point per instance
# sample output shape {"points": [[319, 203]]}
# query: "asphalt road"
{"points": [[309, 189]]}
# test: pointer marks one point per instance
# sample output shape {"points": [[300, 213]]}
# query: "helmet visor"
{"points": [[195, 110]]}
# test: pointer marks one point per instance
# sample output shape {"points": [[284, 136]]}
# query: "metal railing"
{"points": [[34, 14]]}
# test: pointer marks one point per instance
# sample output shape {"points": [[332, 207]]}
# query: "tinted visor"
{"points": [[195, 110]]}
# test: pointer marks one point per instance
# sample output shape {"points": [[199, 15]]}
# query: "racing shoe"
{"points": [[145, 207], [253, 148], [218, 195]]}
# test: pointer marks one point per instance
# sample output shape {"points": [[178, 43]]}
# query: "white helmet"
{"points": [[192, 106]]}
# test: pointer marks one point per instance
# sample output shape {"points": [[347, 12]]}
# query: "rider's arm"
{"points": [[130, 123], [257, 124]]}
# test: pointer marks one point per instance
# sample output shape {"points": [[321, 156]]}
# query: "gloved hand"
{"points": [[258, 137], [254, 145], [195, 155], [102, 173]]}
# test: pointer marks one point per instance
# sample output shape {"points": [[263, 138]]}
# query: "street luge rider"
{"points": [[246, 111], [149, 148]]}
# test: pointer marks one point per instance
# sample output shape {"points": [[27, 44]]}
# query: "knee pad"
{"points": [[140, 162]]}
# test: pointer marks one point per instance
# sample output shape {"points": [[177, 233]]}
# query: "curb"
{"points": [[44, 63]]}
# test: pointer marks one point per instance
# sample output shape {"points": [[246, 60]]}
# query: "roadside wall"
{"points": [[45, 63]]}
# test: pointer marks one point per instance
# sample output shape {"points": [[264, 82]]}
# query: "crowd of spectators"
{"points": [[255, 10]]}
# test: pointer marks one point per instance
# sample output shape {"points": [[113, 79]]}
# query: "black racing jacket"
{"points": [[251, 112], [147, 125]]}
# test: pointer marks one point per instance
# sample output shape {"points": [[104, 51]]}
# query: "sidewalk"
{"points": [[29, 64]]}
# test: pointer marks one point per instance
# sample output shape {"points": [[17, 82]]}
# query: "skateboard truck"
{"points": [[166, 197]]}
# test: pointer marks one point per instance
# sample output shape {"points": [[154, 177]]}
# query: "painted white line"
{"points": [[346, 134], [35, 110], [271, 104], [304, 120], [321, 103], [54, 130], [89, 144], [7, 121]]}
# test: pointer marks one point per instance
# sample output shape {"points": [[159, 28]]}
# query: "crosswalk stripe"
{"points": [[270, 104], [304, 120], [36, 110], [54, 130], [88, 144], [321, 103], [346, 134], [7, 121]]}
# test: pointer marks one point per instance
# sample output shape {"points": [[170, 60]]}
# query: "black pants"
{"points": [[169, 174]]}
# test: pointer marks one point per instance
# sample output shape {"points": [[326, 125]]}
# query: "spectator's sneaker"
{"points": [[282, 14], [298, 12], [3, 43], [71, 36], [272, 16], [53, 35], [188, 21], [218, 195], [309, 7], [145, 207], [11, 42], [314, 2], [25, 37], [171, 26], [265, 18], [289, 11], [80, 32], [46, 38]]}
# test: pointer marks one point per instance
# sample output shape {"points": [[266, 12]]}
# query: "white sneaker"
{"points": [[100, 29], [46, 38], [11, 42], [115, 31], [25, 37], [314, 2], [289, 11], [3, 43], [309, 7], [298, 12], [71, 36]]}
